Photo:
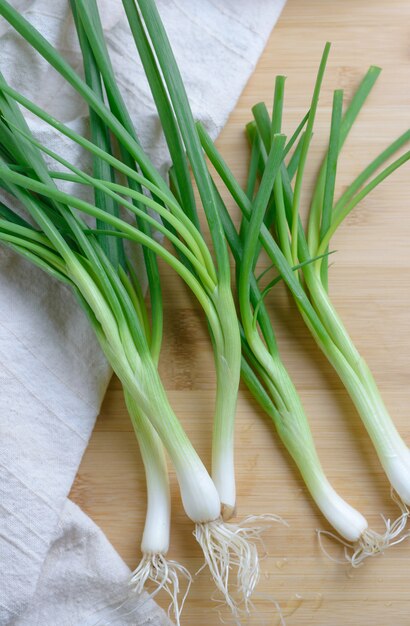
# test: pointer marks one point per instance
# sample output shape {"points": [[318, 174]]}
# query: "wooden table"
{"points": [[370, 285]]}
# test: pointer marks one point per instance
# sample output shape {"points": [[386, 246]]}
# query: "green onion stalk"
{"points": [[272, 222], [155, 567], [64, 246], [93, 263]]}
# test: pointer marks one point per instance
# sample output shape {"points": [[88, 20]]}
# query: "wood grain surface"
{"points": [[370, 284]]}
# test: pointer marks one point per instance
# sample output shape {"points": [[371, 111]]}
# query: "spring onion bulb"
{"points": [[177, 120], [267, 378], [289, 252], [64, 245], [134, 367], [324, 218], [154, 569]]}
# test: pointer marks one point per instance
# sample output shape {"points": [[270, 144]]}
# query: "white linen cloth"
{"points": [[56, 567]]}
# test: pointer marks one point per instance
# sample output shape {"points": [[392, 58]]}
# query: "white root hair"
{"points": [[157, 570], [267, 598], [164, 574], [371, 543], [231, 547]]}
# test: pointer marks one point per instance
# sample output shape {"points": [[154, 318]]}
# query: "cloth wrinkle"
{"points": [[21, 520], [46, 367], [10, 471], [58, 417], [213, 35]]}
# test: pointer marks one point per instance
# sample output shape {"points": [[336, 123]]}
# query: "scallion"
{"points": [[296, 256], [82, 256]]}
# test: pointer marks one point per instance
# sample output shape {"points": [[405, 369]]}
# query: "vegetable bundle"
{"points": [[271, 222], [92, 260], [84, 244]]}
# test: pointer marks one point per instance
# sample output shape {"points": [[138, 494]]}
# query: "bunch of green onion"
{"points": [[93, 261], [46, 224], [271, 221]]}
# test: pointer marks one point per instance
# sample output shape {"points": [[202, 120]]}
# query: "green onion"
{"points": [[105, 282], [287, 251], [266, 376], [154, 566], [227, 355]]}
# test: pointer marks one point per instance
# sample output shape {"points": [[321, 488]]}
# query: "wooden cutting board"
{"points": [[370, 284]]}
